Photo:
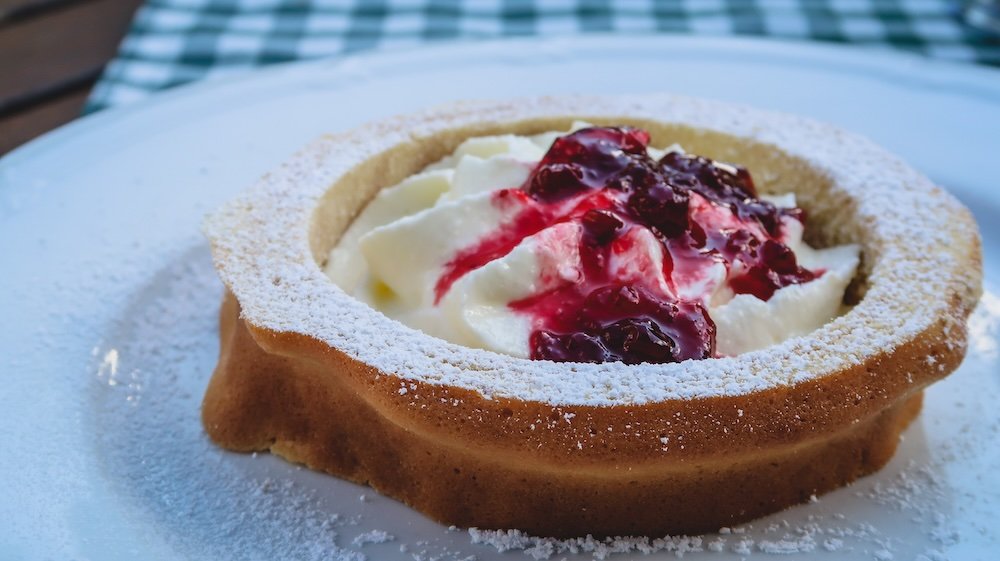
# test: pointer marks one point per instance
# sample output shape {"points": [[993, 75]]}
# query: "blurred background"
{"points": [[60, 59]]}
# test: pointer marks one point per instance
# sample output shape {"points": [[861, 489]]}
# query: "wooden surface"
{"points": [[51, 53]]}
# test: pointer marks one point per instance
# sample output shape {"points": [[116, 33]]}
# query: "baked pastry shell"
{"points": [[474, 438]]}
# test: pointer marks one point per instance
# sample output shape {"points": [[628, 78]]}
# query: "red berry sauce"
{"points": [[649, 229]]}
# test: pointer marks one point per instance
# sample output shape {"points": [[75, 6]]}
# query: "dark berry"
{"points": [[586, 159], [638, 340], [742, 242], [723, 184], [566, 347], [623, 323], [774, 268], [601, 226], [661, 206], [779, 257], [552, 182]]}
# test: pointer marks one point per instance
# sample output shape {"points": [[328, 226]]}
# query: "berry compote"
{"points": [[703, 217]]}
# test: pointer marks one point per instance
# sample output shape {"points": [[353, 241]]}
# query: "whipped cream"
{"points": [[396, 253]]}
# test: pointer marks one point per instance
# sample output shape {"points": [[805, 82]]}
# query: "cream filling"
{"points": [[393, 254]]}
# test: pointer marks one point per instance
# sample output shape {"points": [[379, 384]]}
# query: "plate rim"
{"points": [[962, 78]]}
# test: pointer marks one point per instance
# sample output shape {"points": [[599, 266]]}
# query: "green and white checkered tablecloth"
{"points": [[172, 42]]}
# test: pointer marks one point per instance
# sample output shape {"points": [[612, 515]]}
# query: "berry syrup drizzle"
{"points": [[702, 213]]}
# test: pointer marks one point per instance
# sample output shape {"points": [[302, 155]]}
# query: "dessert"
{"points": [[474, 437], [590, 245]]}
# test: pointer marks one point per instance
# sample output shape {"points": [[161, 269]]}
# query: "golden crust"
{"points": [[691, 462], [323, 409]]}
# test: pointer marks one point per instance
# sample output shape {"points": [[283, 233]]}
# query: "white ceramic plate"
{"points": [[108, 300]]}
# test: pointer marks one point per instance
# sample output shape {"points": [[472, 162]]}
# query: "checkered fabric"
{"points": [[172, 42]]}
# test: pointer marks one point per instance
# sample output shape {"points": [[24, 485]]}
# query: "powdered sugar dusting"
{"points": [[779, 539], [211, 503], [261, 246], [374, 536]]}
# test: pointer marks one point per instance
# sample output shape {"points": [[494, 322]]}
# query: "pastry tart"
{"points": [[474, 437]]}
